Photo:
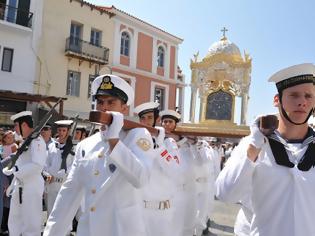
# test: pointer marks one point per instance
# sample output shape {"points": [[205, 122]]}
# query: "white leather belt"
{"points": [[157, 205], [58, 180]]}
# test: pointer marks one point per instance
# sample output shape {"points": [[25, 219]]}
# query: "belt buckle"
{"points": [[164, 205], [161, 204], [168, 205]]}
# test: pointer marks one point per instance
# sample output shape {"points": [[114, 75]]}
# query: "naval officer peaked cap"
{"points": [[146, 107], [294, 75], [170, 114], [114, 86], [64, 123], [21, 115]]}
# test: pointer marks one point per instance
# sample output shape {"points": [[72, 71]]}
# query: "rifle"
{"points": [[74, 126], [35, 133], [67, 148]]}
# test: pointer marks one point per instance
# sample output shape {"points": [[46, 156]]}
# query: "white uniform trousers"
{"points": [[185, 209], [52, 192], [26, 218], [202, 205]]}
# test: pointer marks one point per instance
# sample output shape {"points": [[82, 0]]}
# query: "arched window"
{"points": [[125, 44], [161, 54]]}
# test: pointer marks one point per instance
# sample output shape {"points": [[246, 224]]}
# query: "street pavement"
{"points": [[223, 219]]}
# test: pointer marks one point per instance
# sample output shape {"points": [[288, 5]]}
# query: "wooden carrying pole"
{"points": [[106, 119]]}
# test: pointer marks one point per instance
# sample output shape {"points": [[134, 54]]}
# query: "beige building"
{"points": [[76, 42], [80, 40]]}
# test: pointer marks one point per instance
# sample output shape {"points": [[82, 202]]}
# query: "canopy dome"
{"points": [[224, 46]]}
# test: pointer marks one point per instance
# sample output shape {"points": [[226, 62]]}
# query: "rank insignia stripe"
{"points": [[144, 144]]}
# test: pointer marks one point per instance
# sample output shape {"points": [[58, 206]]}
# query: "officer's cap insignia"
{"points": [[144, 144], [106, 84]]}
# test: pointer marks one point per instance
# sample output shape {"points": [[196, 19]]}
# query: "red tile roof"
{"points": [[111, 14], [113, 9]]}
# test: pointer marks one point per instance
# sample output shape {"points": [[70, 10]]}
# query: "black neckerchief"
{"points": [[277, 144], [155, 145]]}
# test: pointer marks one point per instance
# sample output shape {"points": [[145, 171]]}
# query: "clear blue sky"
{"points": [[276, 33]]}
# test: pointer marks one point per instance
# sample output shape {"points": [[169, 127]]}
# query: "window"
{"points": [[159, 96], [95, 37], [73, 83], [75, 37], [11, 12], [91, 79], [7, 59], [16, 11], [124, 44], [161, 54]]}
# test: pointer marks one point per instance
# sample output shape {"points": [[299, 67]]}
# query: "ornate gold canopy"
{"points": [[221, 76]]}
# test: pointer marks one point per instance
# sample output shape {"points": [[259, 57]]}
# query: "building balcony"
{"points": [[85, 51], [17, 16]]}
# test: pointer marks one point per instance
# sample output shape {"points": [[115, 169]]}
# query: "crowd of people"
{"points": [[138, 183], [162, 178]]}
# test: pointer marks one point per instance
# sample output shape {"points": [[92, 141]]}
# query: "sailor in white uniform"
{"points": [[59, 161], [109, 169], [204, 181], [184, 206], [278, 168], [158, 194], [25, 217]]}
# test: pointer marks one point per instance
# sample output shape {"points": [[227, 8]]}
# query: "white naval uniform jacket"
{"points": [[25, 218], [161, 188], [282, 198], [53, 161], [204, 174], [109, 183], [185, 199], [52, 167]]}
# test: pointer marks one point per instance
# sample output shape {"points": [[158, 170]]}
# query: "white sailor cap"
{"points": [[114, 86], [21, 115], [47, 126], [80, 127], [146, 107], [210, 139], [170, 114], [294, 75], [64, 123]]}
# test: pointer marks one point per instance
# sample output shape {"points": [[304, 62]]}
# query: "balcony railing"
{"points": [[76, 47], [16, 15]]}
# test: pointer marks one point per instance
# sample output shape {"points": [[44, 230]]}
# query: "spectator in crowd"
{"points": [[8, 144]]}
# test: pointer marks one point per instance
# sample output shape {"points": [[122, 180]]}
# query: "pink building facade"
{"points": [[146, 57]]}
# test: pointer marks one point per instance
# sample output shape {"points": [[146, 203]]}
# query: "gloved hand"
{"points": [[161, 136], [8, 171], [112, 131], [257, 138]]}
